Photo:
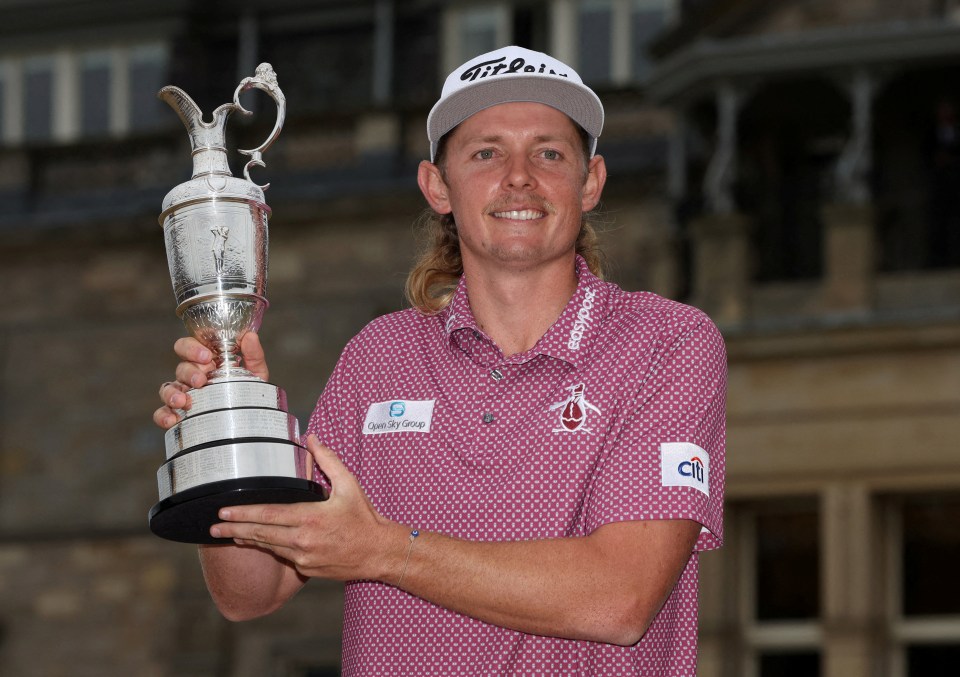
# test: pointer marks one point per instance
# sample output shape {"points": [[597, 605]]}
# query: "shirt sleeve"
{"points": [[666, 458], [331, 419]]}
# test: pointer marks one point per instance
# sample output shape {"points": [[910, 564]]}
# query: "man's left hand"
{"points": [[342, 538]]}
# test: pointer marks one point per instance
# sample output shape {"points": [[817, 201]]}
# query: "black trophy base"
{"points": [[187, 516]]}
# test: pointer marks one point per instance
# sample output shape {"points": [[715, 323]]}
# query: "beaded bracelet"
{"points": [[413, 537]]}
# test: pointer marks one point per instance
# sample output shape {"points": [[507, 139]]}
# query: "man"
{"points": [[523, 466]]}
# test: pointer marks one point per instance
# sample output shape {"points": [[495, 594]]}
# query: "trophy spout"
{"points": [[207, 139]]}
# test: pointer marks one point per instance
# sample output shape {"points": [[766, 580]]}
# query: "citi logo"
{"points": [[685, 464], [692, 468]]}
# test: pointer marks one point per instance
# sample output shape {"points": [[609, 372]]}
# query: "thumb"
{"points": [[253, 357], [327, 461]]}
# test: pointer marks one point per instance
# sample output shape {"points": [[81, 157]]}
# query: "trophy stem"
{"points": [[220, 323], [229, 361]]}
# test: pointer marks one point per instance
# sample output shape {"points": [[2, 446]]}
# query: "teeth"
{"points": [[519, 214]]}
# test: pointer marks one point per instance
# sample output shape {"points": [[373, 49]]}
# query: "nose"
{"points": [[519, 174]]}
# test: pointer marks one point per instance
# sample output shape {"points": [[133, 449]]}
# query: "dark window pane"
{"points": [[596, 25], [794, 664], [788, 581], [148, 71], [933, 660], [3, 95], [531, 27], [95, 97], [478, 32], [38, 101], [328, 71], [646, 23], [931, 548], [416, 59]]}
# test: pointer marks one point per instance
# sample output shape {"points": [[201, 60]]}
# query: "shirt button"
{"points": [[496, 375], [488, 418]]}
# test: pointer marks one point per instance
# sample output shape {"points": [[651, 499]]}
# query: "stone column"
{"points": [[722, 170], [846, 570], [849, 260], [721, 266], [720, 238], [849, 220]]}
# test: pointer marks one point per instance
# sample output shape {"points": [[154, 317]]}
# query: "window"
{"points": [[469, 31], [612, 38], [786, 561], [776, 573], [38, 83], [594, 43], [923, 602], [69, 95], [147, 74], [4, 95], [95, 93], [647, 19]]}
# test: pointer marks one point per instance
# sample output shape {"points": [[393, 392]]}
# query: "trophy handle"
{"points": [[266, 80]]}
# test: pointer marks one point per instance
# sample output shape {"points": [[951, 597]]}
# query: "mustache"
{"points": [[527, 201]]}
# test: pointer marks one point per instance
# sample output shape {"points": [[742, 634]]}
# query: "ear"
{"points": [[593, 186], [433, 187]]}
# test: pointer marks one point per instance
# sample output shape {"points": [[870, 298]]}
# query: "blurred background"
{"points": [[792, 167]]}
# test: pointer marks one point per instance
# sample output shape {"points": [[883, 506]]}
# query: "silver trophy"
{"points": [[237, 444]]}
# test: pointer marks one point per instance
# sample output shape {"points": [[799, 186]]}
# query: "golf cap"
{"points": [[510, 75]]}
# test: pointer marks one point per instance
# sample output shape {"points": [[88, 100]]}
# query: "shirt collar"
{"points": [[570, 338]]}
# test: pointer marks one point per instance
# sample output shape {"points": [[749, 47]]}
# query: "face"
{"points": [[515, 178]]}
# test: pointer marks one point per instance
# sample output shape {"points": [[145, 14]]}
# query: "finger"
{"points": [[258, 525], [165, 417], [174, 395], [328, 461], [194, 375], [254, 358], [190, 349], [243, 533], [268, 514]]}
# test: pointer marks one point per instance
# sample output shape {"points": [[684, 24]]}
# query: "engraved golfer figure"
{"points": [[220, 235]]}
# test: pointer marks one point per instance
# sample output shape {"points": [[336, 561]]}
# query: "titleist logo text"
{"points": [[497, 66]]}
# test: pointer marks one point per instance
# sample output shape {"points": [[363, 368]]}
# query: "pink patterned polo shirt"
{"points": [[616, 414]]}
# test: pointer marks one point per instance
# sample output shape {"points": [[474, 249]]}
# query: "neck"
{"points": [[517, 307]]}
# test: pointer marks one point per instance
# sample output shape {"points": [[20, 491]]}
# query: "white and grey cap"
{"points": [[508, 75]]}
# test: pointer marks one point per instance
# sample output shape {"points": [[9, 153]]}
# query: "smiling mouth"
{"points": [[520, 214]]}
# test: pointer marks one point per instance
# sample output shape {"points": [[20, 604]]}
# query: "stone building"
{"points": [[790, 167]]}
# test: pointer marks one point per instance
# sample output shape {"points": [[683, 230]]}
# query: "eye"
{"points": [[485, 154], [551, 154]]}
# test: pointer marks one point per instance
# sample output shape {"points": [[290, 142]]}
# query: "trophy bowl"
{"points": [[237, 444]]}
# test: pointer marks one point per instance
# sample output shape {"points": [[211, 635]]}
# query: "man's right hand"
{"points": [[196, 363]]}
